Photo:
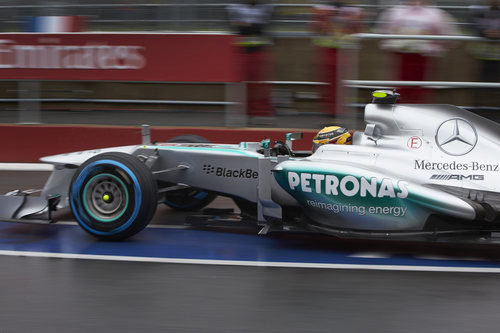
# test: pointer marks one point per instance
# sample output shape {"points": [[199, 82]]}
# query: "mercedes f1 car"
{"points": [[415, 170]]}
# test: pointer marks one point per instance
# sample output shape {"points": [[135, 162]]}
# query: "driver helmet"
{"points": [[332, 135]]}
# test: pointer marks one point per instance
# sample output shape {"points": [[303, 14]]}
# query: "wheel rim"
{"points": [[105, 197]]}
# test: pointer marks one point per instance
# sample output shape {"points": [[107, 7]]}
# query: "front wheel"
{"points": [[113, 196]]}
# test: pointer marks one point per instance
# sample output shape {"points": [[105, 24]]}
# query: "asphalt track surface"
{"points": [[56, 278]]}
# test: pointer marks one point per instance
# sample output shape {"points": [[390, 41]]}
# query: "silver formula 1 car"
{"points": [[416, 170]]}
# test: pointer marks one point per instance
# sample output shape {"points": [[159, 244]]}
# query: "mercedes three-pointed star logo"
{"points": [[456, 137]]}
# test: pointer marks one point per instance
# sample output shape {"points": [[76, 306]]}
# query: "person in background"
{"points": [[487, 24], [414, 58], [250, 20], [330, 23]]}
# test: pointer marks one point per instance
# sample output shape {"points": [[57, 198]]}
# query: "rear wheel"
{"points": [[188, 198], [248, 209], [113, 196]]}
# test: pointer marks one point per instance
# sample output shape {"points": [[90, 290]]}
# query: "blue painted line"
{"points": [[198, 244]]}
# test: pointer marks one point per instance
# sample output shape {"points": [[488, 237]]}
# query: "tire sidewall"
{"points": [[137, 182]]}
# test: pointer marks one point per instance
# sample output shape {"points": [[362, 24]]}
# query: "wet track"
{"points": [[176, 279]]}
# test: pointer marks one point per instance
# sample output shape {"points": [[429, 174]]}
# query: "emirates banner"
{"points": [[118, 57]]}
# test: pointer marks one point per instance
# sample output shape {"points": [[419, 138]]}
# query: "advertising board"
{"points": [[155, 57]]}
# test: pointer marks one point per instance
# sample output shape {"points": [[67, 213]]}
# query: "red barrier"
{"points": [[121, 57], [27, 143]]}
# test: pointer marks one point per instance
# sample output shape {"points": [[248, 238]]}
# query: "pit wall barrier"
{"points": [[27, 143], [121, 57]]}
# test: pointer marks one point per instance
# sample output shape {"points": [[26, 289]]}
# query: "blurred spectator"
{"points": [[487, 23], [414, 58], [331, 22], [249, 20]]}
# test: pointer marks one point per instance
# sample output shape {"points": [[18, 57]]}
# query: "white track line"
{"points": [[362, 255], [26, 167], [251, 263]]}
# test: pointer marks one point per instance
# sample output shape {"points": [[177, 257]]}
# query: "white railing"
{"points": [[176, 15], [349, 80]]}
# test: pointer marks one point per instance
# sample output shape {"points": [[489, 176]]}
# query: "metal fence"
{"points": [[187, 15], [29, 92], [355, 83]]}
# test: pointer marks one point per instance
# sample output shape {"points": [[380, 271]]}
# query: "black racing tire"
{"points": [[189, 198], [113, 196], [188, 138]]}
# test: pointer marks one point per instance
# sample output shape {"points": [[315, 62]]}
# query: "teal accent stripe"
{"points": [[207, 149]]}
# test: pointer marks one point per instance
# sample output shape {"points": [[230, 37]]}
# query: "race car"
{"points": [[414, 171]]}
